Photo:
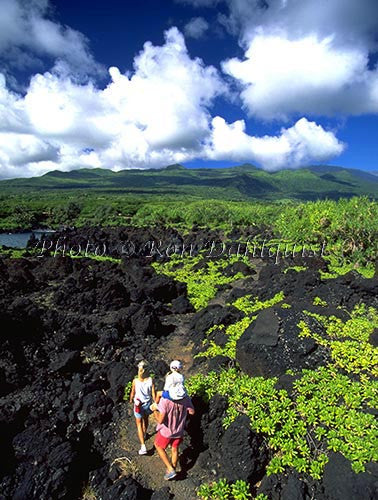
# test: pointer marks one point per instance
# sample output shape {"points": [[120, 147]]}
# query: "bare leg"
{"points": [[175, 455], [158, 396], [139, 425], [144, 424], [163, 455]]}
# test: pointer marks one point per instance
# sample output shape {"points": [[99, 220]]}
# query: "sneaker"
{"points": [[170, 475], [143, 450]]}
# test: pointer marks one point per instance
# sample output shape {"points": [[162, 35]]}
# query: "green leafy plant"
{"points": [[347, 341], [328, 412], [285, 306], [201, 281], [339, 266], [248, 305], [127, 391], [319, 302], [222, 490], [298, 269], [240, 490]]}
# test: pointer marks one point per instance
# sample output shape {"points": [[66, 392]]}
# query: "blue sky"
{"points": [[124, 84]]}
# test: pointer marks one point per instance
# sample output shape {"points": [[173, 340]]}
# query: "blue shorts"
{"points": [[144, 410]]}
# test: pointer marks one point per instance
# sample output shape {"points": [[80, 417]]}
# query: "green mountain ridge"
{"points": [[241, 182]]}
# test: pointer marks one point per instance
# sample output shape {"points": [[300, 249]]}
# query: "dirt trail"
{"points": [[149, 469], [177, 344]]}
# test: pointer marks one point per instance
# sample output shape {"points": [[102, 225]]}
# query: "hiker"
{"points": [[171, 415], [142, 395], [174, 377]]}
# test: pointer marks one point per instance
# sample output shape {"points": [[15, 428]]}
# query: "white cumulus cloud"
{"points": [[154, 116], [301, 144], [26, 154], [27, 34], [196, 27], [352, 21], [160, 112], [281, 76], [304, 56]]}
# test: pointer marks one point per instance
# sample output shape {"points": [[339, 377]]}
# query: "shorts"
{"points": [[163, 442], [144, 410]]}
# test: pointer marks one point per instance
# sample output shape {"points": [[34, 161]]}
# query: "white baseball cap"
{"points": [[175, 365]]}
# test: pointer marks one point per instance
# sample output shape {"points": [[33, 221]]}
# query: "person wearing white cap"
{"points": [[171, 414], [175, 365], [174, 383]]}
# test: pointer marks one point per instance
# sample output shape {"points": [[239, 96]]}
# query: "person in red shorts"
{"points": [[171, 415]]}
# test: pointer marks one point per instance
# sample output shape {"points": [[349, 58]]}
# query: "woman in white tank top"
{"points": [[142, 395]]}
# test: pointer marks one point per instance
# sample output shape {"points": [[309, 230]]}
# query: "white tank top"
{"points": [[143, 390]]}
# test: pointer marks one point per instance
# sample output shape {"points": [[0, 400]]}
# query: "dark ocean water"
{"points": [[18, 240]]}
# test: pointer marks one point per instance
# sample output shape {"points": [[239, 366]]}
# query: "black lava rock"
{"points": [[210, 316], [218, 363], [341, 483], [124, 489], [244, 453], [373, 339], [118, 375], [146, 322], [285, 487], [269, 348], [181, 305], [238, 267], [108, 488], [64, 362]]}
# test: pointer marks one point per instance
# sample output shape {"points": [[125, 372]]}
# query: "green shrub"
{"points": [[328, 410], [222, 490], [248, 305], [347, 341], [327, 413], [319, 302], [201, 282]]}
